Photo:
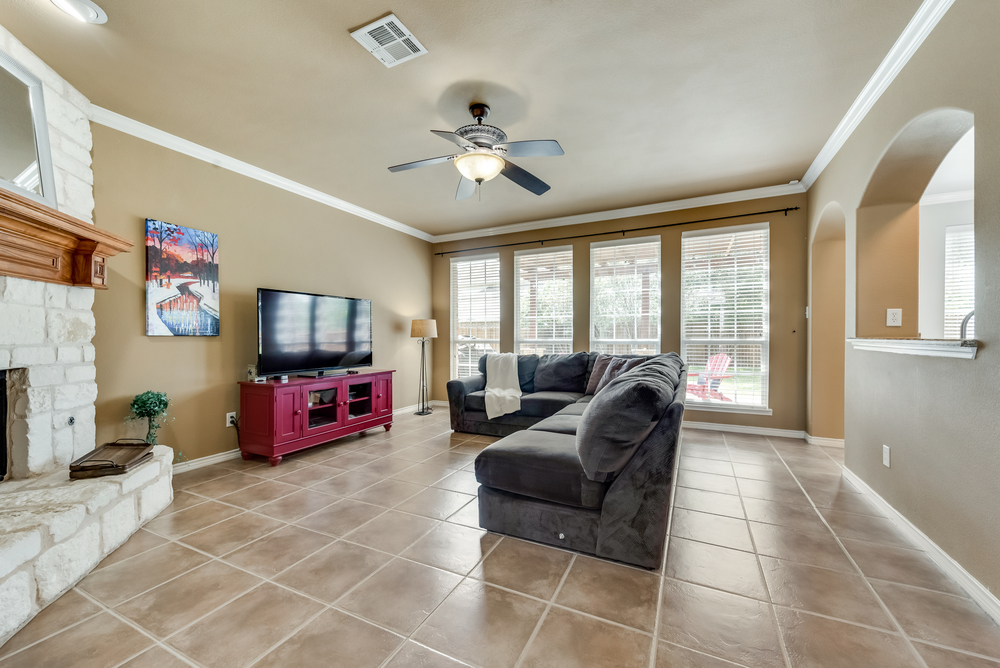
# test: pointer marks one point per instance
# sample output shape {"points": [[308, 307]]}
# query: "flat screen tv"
{"points": [[298, 332]]}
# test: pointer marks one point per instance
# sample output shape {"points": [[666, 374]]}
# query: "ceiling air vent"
{"points": [[388, 40]]}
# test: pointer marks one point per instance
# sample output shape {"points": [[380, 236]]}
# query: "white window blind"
{"points": [[475, 311], [625, 297], [724, 315], [543, 301], [959, 279]]}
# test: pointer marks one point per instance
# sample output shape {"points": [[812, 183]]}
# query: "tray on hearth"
{"points": [[112, 459]]}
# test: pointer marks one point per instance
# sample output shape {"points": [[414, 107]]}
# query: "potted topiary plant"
{"points": [[151, 407]]}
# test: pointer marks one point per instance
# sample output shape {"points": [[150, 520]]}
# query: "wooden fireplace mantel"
{"points": [[41, 244]]}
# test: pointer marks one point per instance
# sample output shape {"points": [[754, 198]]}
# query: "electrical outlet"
{"points": [[230, 419], [885, 455], [894, 317]]}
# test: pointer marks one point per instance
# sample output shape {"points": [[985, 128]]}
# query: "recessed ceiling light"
{"points": [[82, 10]]}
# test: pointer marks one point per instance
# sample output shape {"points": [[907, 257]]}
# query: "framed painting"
{"points": [[182, 280]]}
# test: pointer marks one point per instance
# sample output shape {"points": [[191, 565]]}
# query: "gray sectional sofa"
{"points": [[549, 383], [595, 475]]}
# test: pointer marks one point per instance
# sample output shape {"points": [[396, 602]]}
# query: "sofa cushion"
{"points": [[525, 371], [574, 409], [541, 465], [618, 420], [597, 372], [558, 424], [536, 404], [562, 373], [585, 399], [615, 368], [544, 404]]}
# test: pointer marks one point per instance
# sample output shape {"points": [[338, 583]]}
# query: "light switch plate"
{"points": [[894, 317], [885, 455]]}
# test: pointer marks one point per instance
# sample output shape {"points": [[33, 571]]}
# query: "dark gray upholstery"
{"points": [[536, 404], [623, 414], [525, 371], [537, 500], [562, 373], [539, 464], [560, 424], [538, 520]]}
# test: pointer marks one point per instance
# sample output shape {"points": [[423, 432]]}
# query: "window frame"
{"points": [[633, 241], [518, 341], [765, 342], [453, 310]]}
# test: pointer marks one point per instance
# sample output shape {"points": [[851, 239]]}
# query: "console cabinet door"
{"points": [[383, 396], [360, 399], [287, 414], [322, 402]]}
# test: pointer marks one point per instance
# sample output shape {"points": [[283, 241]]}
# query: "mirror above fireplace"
{"points": [[25, 158]]}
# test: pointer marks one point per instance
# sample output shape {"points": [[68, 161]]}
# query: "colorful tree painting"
{"points": [[182, 280]]}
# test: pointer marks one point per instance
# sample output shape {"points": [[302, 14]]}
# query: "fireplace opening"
{"points": [[4, 456]]}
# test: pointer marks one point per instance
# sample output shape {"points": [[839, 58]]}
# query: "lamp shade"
{"points": [[424, 329]]}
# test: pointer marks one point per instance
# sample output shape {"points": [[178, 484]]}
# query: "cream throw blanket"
{"points": [[503, 391]]}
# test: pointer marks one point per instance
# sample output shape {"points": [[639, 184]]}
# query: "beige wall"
{"points": [[940, 416], [788, 295], [888, 261], [268, 238], [826, 414]]}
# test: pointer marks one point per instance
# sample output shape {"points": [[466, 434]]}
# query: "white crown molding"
{"points": [[973, 587], [166, 140], [916, 31], [742, 429], [628, 212], [965, 350], [948, 198]]}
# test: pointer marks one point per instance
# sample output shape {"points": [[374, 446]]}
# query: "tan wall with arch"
{"points": [[789, 273], [825, 418], [268, 238], [939, 416]]}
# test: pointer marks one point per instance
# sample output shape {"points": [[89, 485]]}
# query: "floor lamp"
{"points": [[423, 330]]}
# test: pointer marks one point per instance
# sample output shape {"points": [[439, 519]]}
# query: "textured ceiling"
{"points": [[652, 101]]}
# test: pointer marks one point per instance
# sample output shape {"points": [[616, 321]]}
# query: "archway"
{"points": [[888, 222], [825, 417]]}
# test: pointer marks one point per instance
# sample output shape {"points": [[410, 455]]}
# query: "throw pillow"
{"points": [[617, 367], [600, 366], [619, 418], [562, 373]]}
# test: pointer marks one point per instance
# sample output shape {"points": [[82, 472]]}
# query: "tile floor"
{"points": [[368, 553]]}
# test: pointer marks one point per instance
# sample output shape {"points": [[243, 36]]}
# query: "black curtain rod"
{"points": [[622, 232]]}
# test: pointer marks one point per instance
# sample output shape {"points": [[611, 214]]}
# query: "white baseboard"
{"points": [[825, 442], [206, 461], [973, 587], [742, 429], [435, 403]]}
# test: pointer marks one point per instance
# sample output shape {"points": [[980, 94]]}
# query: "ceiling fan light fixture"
{"points": [[82, 10], [479, 166]]}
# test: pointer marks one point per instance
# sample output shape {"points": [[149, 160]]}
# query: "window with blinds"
{"points": [[475, 311], [625, 297], [543, 301], [959, 279], [724, 315]]}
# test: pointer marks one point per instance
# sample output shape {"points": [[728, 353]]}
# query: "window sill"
{"points": [[925, 347], [723, 408]]}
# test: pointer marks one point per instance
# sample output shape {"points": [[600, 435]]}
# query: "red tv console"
{"points": [[280, 418]]}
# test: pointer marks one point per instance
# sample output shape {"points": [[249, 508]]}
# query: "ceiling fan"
{"points": [[486, 151]]}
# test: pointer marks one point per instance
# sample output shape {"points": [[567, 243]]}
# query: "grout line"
{"points": [[288, 637], [545, 613], [4, 657], [760, 573], [871, 589], [666, 550]]}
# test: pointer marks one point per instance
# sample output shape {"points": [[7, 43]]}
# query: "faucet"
{"points": [[965, 323]]}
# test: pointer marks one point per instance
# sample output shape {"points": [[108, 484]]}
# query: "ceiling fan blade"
{"points": [[421, 163], [524, 179], [465, 188], [455, 139], [538, 148]]}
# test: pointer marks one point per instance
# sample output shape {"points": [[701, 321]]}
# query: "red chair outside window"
{"points": [[709, 380]]}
